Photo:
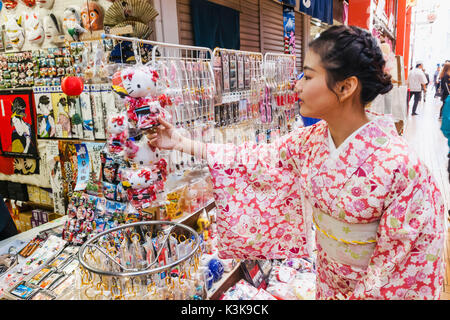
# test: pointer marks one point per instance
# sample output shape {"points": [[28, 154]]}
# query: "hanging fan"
{"points": [[129, 10], [140, 30]]}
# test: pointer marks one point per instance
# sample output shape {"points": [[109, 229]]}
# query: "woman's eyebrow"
{"points": [[309, 68]]}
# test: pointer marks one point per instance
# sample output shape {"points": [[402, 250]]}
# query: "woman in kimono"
{"points": [[377, 212]]}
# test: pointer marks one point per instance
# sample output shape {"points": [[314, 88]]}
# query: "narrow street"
{"points": [[424, 135]]}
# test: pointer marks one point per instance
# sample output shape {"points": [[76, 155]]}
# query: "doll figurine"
{"points": [[92, 16], [15, 32], [52, 27], [72, 22], [33, 27], [45, 4]]}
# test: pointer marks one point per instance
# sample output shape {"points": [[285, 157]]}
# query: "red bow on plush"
{"points": [[118, 120], [155, 76], [129, 76]]}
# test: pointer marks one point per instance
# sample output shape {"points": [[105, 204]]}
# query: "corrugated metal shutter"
{"points": [[249, 22], [299, 43], [272, 32], [185, 29]]}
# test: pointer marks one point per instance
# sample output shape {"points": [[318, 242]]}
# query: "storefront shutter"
{"points": [[299, 40], [272, 32], [249, 22]]}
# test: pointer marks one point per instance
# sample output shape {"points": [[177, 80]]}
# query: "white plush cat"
{"points": [[141, 154], [136, 82]]}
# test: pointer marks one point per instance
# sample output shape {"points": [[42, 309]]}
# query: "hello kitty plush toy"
{"points": [[140, 87], [141, 153], [136, 82], [117, 133], [142, 186]]}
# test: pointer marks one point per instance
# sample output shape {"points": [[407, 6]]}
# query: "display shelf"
{"points": [[228, 279], [211, 204], [37, 204]]}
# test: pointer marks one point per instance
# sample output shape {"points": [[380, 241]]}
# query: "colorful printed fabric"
{"points": [[265, 195]]}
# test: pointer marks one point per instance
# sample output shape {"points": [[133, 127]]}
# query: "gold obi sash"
{"points": [[346, 243]]}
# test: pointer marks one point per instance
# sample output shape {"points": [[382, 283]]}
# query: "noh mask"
{"points": [[52, 26]]}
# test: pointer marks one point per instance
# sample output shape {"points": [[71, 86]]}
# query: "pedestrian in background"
{"points": [[424, 90], [416, 83], [445, 85], [436, 80]]}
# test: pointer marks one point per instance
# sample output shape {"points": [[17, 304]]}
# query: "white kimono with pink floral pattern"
{"points": [[265, 195]]}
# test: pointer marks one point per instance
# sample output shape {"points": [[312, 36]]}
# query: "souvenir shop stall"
{"points": [[124, 220], [383, 27]]}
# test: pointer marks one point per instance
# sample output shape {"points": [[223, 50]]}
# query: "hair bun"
{"points": [[347, 51]]}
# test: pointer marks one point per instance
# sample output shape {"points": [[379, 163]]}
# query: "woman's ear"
{"points": [[346, 88]]}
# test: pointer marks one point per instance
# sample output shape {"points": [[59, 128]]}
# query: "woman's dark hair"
{"points": [[347, 51], [18, 106]]}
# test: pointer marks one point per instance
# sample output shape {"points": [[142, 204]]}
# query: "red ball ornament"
{"points": [[72, 86]]}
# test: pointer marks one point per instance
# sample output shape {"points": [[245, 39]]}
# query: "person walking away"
{"points": [[436, 80], [416, 83], [445, 85], [426, 86]]}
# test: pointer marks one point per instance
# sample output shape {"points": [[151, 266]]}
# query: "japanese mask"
{"points": [[15, 32], [10, 4], [72, 22], [46, 4], [52, 26], [92, 16], [29, 3], [34, 29]]}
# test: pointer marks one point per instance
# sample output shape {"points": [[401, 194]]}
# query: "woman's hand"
{"points": [[166, 136]]}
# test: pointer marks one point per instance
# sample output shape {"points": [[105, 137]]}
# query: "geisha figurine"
{"points": [[378, 213]]}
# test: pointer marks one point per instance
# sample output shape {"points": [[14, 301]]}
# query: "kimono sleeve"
{"points": [[408, 259], [258, 197]]}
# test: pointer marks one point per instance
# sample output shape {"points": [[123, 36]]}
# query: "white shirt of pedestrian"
{"points": [[415, 80]]}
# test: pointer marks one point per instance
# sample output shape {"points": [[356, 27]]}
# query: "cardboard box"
{"points": [[53, 216], [25, 218]]}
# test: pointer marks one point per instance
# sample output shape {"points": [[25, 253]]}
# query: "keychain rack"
{"points": [[255, 72], [104, 238], [191, 86], [279, 69], [196, 92]]}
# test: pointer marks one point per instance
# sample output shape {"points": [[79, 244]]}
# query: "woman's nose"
{"points": [[298, 86]]}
